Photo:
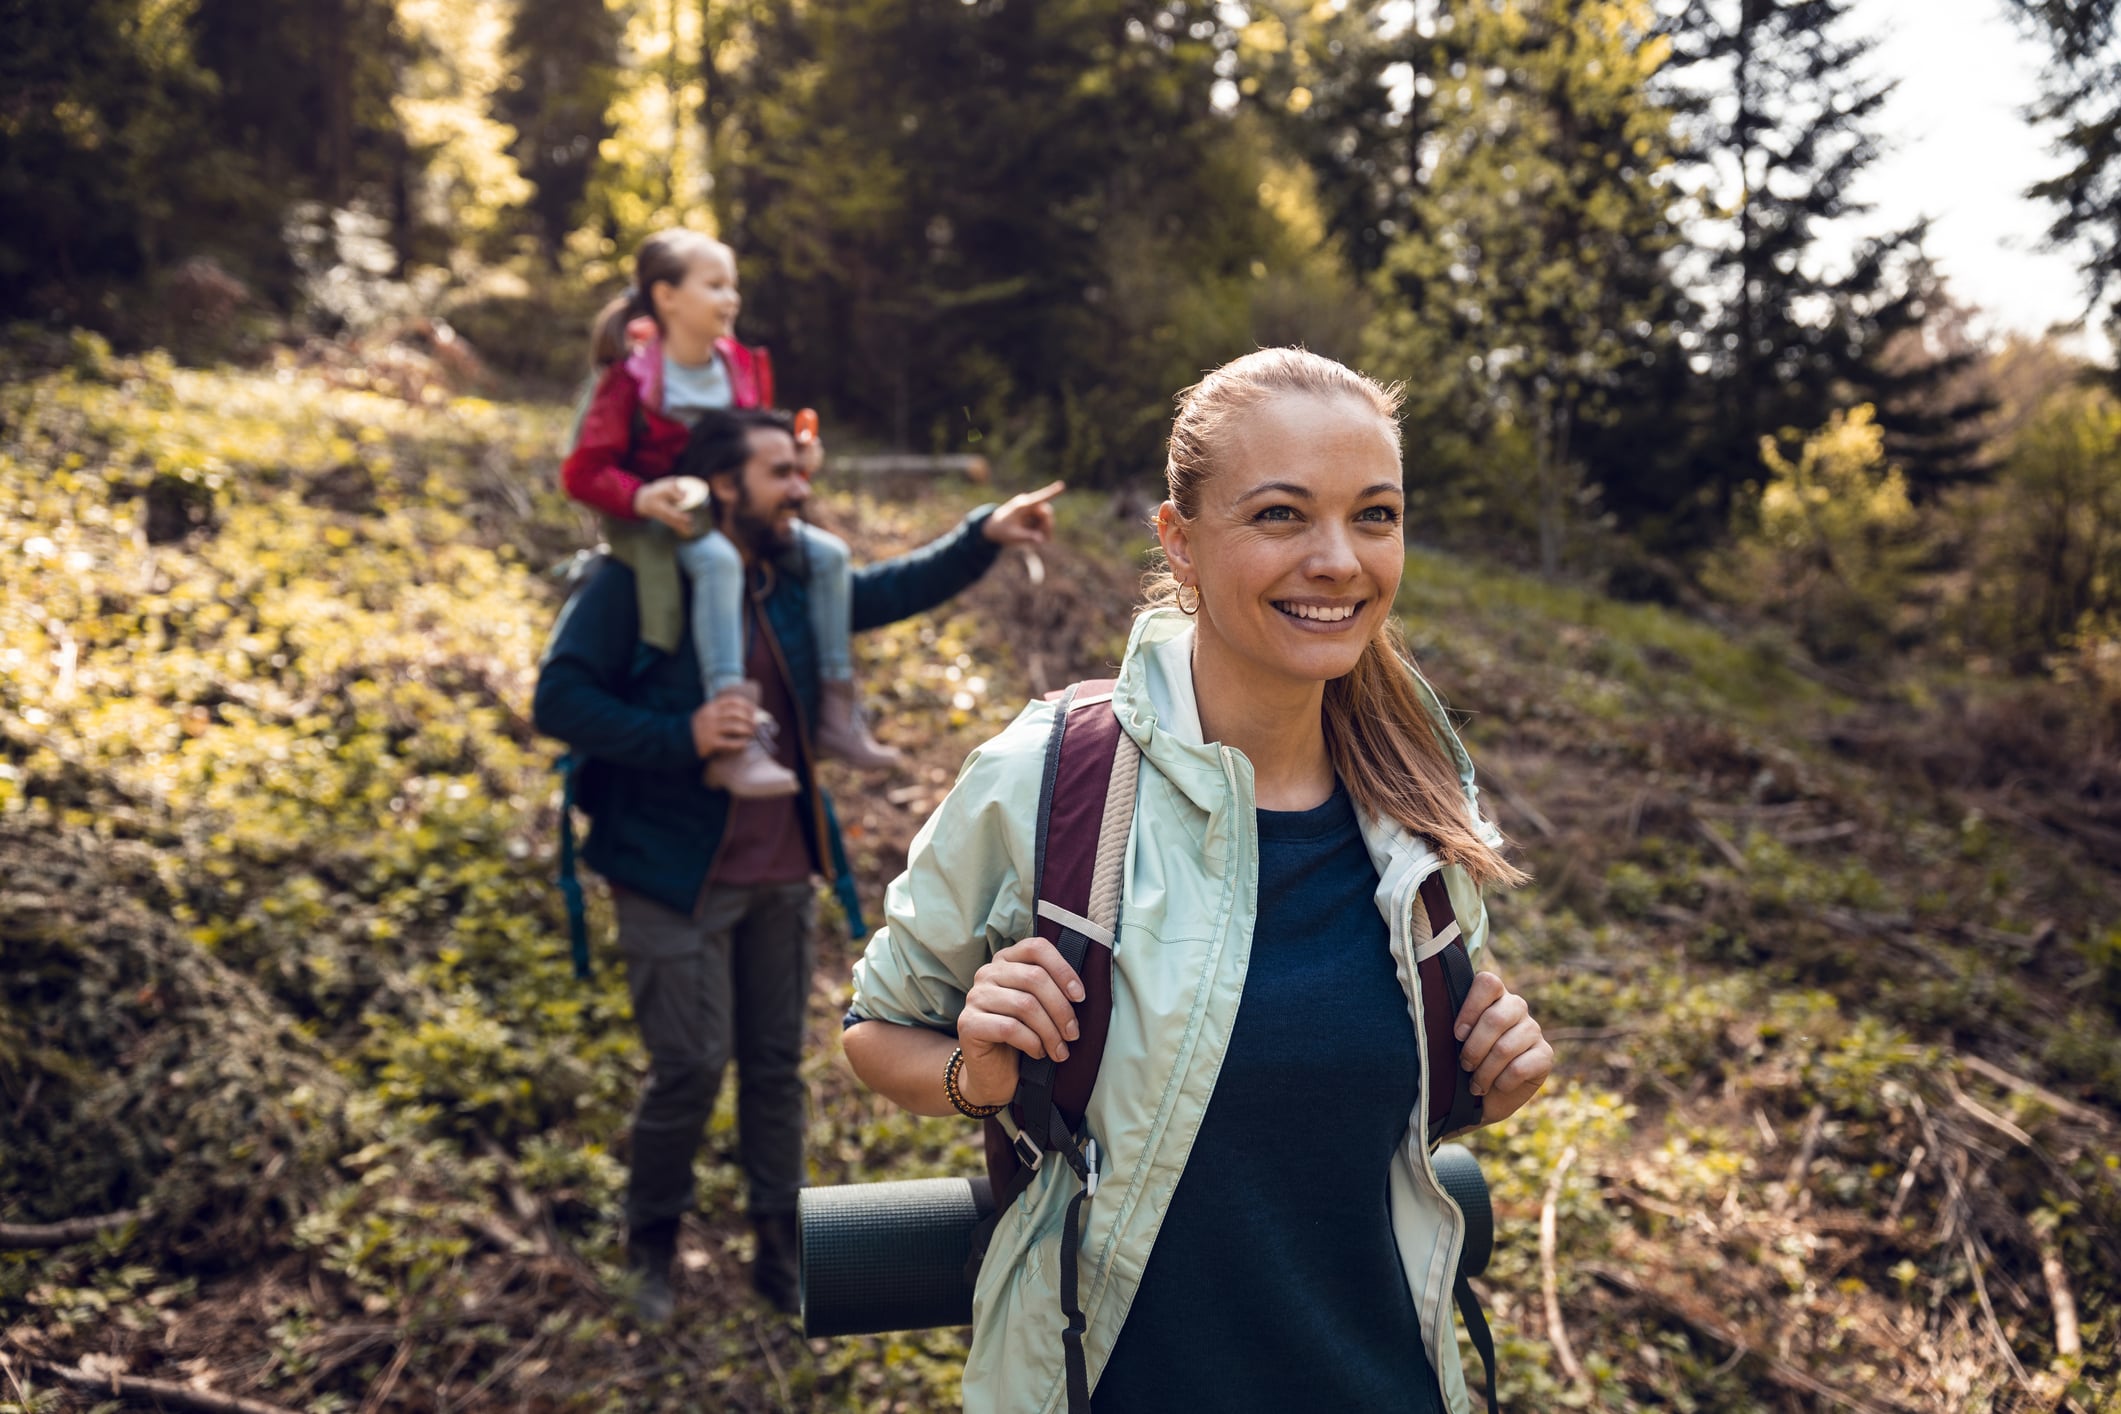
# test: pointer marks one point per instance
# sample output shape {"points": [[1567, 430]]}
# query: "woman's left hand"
{"points": [[1502, 1045]]}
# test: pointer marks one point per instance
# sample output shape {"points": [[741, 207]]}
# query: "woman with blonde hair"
{"points": [[1268, 1231]]}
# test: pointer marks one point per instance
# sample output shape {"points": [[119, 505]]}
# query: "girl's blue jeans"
{"points": [[716, 569]]}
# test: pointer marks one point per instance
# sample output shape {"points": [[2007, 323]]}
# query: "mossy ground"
{"points": [[281, 959]]}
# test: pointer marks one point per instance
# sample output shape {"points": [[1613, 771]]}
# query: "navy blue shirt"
{"points": [[1275, 1282]]}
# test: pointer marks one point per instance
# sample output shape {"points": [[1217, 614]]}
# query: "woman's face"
{"points": [[1297, 545]]}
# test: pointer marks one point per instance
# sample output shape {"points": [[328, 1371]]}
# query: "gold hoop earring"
{"points": [[1185, 607]]}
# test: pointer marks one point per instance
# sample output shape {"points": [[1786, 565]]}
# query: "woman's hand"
{"points": [[1019, 1004], [1502, 1045]]}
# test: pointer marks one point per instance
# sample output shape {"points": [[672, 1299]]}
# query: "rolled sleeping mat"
{"points": [[1460, 1174], [889, 1256]]}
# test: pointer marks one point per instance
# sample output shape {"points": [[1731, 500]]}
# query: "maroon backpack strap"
{"points": [[1445, 970], [1073, 832], [1086, 809]]}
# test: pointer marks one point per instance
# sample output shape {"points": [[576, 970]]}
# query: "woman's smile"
{"points": [[1322, 616]]}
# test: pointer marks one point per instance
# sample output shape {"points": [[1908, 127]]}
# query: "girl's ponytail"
{"points": [[607, 338]]}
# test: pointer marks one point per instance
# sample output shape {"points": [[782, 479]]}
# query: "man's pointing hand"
{"points": [[1025, 519]]}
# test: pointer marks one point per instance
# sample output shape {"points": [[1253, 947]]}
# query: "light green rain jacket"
{"points": [[1185, 938]]}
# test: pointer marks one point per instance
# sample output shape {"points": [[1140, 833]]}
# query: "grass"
{"points": [[280, 915]]}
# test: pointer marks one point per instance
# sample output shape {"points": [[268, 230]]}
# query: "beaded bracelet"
{"points": [[957, 1096]]}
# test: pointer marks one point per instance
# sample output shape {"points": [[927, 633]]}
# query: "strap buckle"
{"points": [[1089, 1168], [1027, 1151]]}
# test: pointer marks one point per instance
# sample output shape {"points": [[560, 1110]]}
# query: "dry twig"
{"points": [[1907, 1183], [30, 1237], [2069, 1341], [1549, 1281], [1780, 1372], [2083, 1114], [166, 1394], [1518, 802], [1793, 1181], [1730, 852], [1988, 1310]]}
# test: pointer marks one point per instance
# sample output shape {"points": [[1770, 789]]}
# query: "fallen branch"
{"points": [[1822, 833], [1907, 1183], [1989, 1117], [2069, 1341], [1731, 853], [389, 1382], [34, 1237], [972, 468], [1780, 1372], [166, 1393], [1988, 1311], [1549, 1281], [1518, 802], [1793, 1181], [2083, 1114]]}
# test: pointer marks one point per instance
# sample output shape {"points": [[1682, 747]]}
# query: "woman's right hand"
{"points": [[663, 499], [1019, 1004]]}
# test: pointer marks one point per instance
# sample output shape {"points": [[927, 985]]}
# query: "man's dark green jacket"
{"points": [[626, 710]]}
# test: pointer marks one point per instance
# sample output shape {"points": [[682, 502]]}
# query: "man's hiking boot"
{"points": [[777, 1269], [752, 773], [842, 732], [651, 1251]]}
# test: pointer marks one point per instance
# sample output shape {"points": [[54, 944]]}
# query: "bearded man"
{"points": [[716, 897]]}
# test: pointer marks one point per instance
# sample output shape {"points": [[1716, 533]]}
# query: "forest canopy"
{"points": [[1592, 238]]}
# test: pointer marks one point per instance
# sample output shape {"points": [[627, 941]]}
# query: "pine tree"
{"points": [[1532, 286], [1780, 123], [2081, 97]]}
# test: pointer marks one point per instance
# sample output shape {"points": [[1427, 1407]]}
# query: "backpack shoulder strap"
{"points": [[1085, 811], [1445, 970]]}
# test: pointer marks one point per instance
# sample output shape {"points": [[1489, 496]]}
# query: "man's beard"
{"points": [[756, 533]]}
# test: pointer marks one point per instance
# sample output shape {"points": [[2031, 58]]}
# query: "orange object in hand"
{"points": [[806, 427]]}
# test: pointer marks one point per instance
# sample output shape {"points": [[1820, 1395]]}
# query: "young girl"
{"points": [[667, 355]]}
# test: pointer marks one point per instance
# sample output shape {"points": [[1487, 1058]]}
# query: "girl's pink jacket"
{"points": [[625, 439]]}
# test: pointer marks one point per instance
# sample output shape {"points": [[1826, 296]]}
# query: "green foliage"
{"points": [[1028, 223], [2050, 547], [1528, 285], [1830, 544], [279, 954]]}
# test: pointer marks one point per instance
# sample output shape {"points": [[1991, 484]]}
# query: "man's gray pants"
{"points": [[732, 982]]}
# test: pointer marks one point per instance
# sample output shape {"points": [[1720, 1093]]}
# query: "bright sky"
{"points": [[1962, 153]]}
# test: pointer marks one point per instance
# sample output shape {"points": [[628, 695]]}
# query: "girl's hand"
{"points": [[1019, 1005], [1502, 1045], [663, 500]]}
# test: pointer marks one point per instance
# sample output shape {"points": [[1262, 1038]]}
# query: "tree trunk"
{"points": [[337, 61]]}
